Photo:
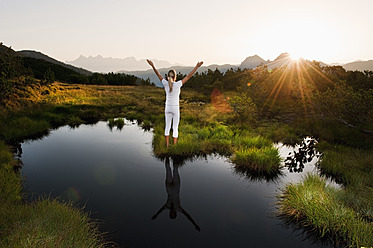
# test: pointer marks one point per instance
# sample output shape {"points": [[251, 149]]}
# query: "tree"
{"points": [[49, 76], [98, 78]]}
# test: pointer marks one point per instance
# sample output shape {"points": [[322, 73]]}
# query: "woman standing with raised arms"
{"points": [[172, 89]]}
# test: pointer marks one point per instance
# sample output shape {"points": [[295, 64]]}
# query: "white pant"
{"points": [[172, 114]]}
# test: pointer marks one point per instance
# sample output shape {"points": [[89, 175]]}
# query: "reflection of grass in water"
{"points": [[118, 122], [314, 205]]}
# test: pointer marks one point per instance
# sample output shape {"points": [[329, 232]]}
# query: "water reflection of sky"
{"points": [[115, 176]]}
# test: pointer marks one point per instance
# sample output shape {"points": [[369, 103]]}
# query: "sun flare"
{"points": [[295, 56], [302, 36]]}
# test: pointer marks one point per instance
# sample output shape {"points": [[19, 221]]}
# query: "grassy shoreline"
{"points": [[205, 128], [42, 223]]}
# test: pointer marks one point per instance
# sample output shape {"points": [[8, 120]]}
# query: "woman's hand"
{"points": [[155, 70], [184, 80], [150, 63]]}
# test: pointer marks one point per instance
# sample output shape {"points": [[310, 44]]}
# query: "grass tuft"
{"points": [[314, 205], [265, 161]]}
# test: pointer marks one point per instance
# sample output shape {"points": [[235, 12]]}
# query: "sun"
{"points": [[303, 36], [295, 56]]}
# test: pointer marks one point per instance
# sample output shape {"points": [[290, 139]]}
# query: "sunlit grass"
{"points": [[203, 130], [265, 161], [47, 223], [354, 169], [314, 205]]}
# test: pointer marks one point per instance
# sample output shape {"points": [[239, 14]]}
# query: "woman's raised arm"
{"points": [[155, 69], [184, 80]]}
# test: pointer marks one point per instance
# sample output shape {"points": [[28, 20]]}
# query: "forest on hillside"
{"points": [[18, 71]]}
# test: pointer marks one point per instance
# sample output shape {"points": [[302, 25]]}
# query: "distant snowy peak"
{"points": [[107, 64]]}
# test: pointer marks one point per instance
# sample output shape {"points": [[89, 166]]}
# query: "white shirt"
{"points": [[172, 98]]}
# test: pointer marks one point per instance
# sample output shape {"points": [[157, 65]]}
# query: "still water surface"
{"points": [[115, 176]]}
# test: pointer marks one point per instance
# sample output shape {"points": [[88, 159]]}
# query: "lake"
{"points": [[113, 174]]}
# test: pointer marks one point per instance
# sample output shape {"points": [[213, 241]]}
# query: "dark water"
{"points": [[114, 175]]}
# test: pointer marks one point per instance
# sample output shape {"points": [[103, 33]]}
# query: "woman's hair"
{"points": [[171, 77]]}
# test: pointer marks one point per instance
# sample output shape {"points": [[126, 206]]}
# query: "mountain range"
{"points": [[131, 65], [249, 63], [105, 65], [140, 68]]}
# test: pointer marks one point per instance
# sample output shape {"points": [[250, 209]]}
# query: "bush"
{"points": [[244, 108]]}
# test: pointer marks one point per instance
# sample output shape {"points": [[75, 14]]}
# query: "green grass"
{"points": [[10, 183], [43, 223], [350, 166], [118, 123], [354, 169], [47, 223], [20, 128], [74, 121], [318, 207], [338, 133], [253, 141], [258, 161], [278, 132], [203, 130], [251, 153]]}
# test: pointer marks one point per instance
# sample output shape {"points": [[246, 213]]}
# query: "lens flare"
{"points": [[72, 194], [219, 102], [295, 56]]}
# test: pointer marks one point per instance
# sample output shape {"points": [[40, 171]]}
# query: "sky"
{"points": [[184, 32]]}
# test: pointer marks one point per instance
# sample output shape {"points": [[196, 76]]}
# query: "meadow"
{"points": [[203, 130], [236, 114]]}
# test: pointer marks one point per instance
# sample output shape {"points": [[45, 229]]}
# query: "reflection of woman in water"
{"points": [[173, 190]]}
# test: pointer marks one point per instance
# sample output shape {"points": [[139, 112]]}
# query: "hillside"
{"points": [[39, 55], [39, 67]]}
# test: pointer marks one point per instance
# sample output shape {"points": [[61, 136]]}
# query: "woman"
{"points": [[172, 110]]}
